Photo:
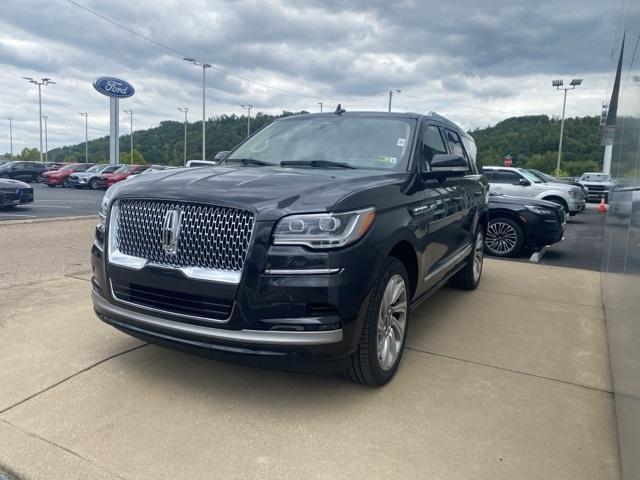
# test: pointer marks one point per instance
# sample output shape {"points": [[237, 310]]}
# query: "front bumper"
{"points": [[78, 181], [16, 197], [576, 205]]}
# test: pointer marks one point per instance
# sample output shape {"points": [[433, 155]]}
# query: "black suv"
{"points": [[305, 248], [25, 171]]}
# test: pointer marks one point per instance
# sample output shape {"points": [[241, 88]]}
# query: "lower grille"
{"points": [[172, 302]]}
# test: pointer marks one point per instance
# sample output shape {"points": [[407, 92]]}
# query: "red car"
{"points": [[54, 178], [107, 179]]}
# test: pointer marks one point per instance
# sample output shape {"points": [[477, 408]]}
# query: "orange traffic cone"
{"points": [[602, 208]]}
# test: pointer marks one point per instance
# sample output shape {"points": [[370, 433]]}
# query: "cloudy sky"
{"points": [[476, 62]]}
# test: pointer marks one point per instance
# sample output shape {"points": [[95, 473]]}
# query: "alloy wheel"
{"points": [[501, 238], [392, 322]]}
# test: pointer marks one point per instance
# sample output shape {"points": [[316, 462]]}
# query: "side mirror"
{"points": [[449, 164], [221, 155], [524, 182]]}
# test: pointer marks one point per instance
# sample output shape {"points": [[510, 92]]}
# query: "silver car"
{"points": [[89, 178]]}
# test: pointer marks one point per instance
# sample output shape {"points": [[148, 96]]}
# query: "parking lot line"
{"points": [[16, 215]]}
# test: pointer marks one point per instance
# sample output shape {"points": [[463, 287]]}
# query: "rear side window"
{"points": [[505, 176], [432, 144]]}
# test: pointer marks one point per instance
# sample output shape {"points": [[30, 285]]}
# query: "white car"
{"points": [[518, 182], [599, 185]]}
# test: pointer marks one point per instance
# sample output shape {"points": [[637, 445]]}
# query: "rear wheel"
{"points": [[94, 184], [66, 183], [505, 237], [469, 277], [385, 327]]}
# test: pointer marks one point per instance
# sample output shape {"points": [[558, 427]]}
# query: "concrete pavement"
{"points": [[510, 381]]}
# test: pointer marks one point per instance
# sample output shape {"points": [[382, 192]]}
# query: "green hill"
{"points": [[532, 141]]}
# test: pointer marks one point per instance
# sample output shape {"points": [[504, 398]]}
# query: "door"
{"points": [[20, 171], [507, 182], [442, 211]]}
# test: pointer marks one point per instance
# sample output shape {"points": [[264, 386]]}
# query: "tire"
{"points": [[49, 185], [376, 359], [469, 277], [559, 201], [93, 184], [66, 183], [504, 238]]}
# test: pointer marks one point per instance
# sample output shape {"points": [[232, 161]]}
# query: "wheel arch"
{"points": [[406, 253]]}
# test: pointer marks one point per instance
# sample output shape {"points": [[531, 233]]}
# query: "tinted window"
{"points": [[456, 148], [505, 176], [490, 174], [111, 169], [471, 149], [432, 144]]}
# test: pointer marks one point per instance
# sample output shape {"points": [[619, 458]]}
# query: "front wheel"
{"points": [[66, 183], [93, 184], [469, 277], [505, 237], [385, 328]]}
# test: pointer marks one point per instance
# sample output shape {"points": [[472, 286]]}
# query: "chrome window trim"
{"points": [[167, 312], [308, 271], [267, 337]]}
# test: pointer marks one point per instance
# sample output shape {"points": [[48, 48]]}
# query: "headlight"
{"points": [[539, 210], [324, 230], [104, 206]]}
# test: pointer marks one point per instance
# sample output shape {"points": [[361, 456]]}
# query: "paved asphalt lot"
{"points": [[510, 381], [56, 202]]}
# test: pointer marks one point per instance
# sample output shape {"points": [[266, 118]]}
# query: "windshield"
{"points": [[596, 177], [123, 169], [96, 168], [66, 168], [361, 142], [529, 176], [542, 176]]}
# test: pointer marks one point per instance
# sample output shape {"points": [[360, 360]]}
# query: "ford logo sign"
{"points": [[113, 87]]}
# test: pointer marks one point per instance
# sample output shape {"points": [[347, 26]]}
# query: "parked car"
{"points": [[14, 192], [599, 185], [60, 177], [19, 170], [105, 180], [545, 177], [152, 169], [307, 248], [516, 223], [89, 179], [55, 165], [518, 182]]}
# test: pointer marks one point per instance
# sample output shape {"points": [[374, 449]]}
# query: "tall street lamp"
{"points": [[46, 138], [204, 69], [391, 96], [558, 84], [185, 110], [320, 103], [130, 113], [248, 107], [86, 135], [42, 81], [11, 136]]}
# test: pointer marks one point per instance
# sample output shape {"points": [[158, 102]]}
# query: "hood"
{"points": [[586, 184], [496, 200], [269, 191], [9, 183]]}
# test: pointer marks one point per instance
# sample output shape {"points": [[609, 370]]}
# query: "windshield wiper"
{"points": [[316, 164], [248, 161]]}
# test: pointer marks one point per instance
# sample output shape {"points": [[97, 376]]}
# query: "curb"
{"points": [[47, 220]]}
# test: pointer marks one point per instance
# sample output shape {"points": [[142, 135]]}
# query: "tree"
{"points": [[29, 154], [138, 159]]}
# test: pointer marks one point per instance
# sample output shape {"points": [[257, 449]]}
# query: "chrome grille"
{"points": [[211, 237]]}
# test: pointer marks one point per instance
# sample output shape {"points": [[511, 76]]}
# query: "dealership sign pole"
{"points": [[115, 89]]}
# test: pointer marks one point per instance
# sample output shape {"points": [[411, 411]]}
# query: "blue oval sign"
{"points": [[113, 87]]}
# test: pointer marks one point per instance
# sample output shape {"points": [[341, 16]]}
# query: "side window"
{"points": [[21, 166], [472, 152], [491, 175], [456, 148], [505, 176], [432, 144]]}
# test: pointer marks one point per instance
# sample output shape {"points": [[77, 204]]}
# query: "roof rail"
{"points": [[437, 116]]}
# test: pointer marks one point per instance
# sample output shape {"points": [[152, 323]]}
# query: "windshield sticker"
{"points": [[401, 142], [385, 159]]}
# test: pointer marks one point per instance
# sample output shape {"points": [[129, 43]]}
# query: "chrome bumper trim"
{"points": [[241, 336], [309, 271]]}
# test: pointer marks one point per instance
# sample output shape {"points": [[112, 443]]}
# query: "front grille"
{"points": [[598, 188], [172, 302], [211, 237]]}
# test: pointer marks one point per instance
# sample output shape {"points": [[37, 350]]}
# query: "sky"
{"points": [[476, 62]]}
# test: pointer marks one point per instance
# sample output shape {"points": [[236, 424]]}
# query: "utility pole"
{"points": [[86, 136], [185, 110], [130, 113], [391, 96], [320, 103], [43, 81], [46, 139], [11, 136], [558, 84], [204, 120], [248, 107]]}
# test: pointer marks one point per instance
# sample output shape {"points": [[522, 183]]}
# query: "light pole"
{"points": [[46, 139], [42, 81], [391, 96], [204, 69], [10, 136], [320, 103], [248, 107], [130, 113], [185, 110], [86, 136], [558, 84]]}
